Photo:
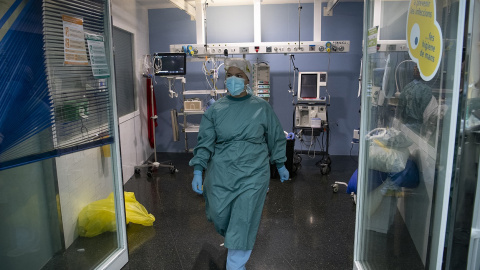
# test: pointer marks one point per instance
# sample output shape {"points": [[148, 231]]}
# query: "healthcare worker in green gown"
{"points": [[239, 137]]}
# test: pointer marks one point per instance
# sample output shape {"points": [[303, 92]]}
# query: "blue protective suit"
{"points": [[238, 138]]}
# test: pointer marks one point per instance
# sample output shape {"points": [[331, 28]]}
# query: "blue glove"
{"points": [[284, 174], [197, 182]]}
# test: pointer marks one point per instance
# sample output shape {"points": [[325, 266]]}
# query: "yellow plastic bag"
{"points": [[136, 212], [99, 217]]}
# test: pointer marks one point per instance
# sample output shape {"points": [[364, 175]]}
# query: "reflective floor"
{"points": [[84, 253], [304, 224]]}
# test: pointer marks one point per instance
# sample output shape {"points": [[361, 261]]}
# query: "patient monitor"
{"points": [[169, 64], [309, 84]]}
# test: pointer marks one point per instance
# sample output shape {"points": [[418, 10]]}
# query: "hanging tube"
{"points": [[299, 9]]}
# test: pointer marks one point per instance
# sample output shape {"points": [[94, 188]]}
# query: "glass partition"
{"points": [[409, 110], [29, 221], [463, 232], [61, 198], [45, 218]]}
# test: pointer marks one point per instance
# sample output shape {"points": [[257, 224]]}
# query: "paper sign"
{"points": [[74, 41], [98, 58], [372, 40], [424, 37]]}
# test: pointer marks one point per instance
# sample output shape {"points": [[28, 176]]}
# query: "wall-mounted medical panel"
{"points": [[392, 46], [341, 46]]}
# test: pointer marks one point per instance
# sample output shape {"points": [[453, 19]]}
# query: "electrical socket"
{"points": [[244, 49]]}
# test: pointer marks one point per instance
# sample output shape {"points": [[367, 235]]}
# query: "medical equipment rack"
{"points": [[185, 113], [325, 162]]}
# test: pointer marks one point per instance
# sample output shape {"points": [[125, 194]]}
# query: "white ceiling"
{"points": [[154, 4], [189, 5]]}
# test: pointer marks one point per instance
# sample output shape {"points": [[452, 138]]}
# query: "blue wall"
{"points": [[279, 23]]}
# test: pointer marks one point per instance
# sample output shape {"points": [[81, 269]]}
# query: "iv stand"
{"points": [[153, 166]]}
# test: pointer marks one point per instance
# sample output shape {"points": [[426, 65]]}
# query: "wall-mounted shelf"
{"points": [[204, 92], [192, 129], [392, 46], [190, 112]]}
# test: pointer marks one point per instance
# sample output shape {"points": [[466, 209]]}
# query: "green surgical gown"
{"points": [[238, 139], [413, 101]]}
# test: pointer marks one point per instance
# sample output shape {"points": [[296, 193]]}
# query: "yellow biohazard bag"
{"points": [[99, 216]]}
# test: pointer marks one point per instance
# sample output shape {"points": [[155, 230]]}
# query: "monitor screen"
{"points": [[309, 86], [165, 64]]}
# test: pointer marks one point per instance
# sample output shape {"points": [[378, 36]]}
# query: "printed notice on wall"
{"points": [[98, 58], [424, 37], [372, 40], [74, 41]]}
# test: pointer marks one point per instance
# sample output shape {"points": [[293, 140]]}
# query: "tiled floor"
{"points": [[304, 224]]}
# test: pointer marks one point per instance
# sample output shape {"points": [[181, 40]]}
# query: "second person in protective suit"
{"points": [[239, 137]]}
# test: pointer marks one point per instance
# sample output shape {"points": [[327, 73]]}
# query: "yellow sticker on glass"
{"points": [[424, 37]]}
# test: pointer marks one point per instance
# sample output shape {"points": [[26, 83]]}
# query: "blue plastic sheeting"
{"points": [[25, 104], [408, 178], [352, 184], [9, 12]]}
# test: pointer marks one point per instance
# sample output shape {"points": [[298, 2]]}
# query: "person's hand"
{"points": [[284, 174], [197, 182]]}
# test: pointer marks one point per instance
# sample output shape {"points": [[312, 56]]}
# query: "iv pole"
{"points": [[152, 166]]}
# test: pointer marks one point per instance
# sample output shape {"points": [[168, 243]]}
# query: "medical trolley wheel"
{"points": [[172, 168], [328, 161], [354, 197], [325, 169], [337, 185], [149, 172]]}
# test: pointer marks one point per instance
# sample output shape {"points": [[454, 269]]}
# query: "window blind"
{"points": [[81, 102], [49, 107]]}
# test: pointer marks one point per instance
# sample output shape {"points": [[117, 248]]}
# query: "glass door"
{"points": [[411, 86], [464, 224], [474, 94], [59, 147]]}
